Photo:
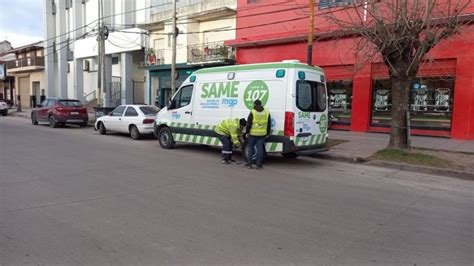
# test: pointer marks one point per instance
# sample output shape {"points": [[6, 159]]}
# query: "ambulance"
{"points": [[294, 93]]}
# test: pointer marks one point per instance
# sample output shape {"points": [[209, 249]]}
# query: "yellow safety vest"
{"points": [[259, 123], [230, 128]]}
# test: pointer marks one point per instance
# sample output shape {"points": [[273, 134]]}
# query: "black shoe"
{"points": [[248, 165], [259, 167]]}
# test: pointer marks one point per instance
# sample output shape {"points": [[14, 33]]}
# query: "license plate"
{"points": [[74, 113], [304, 139]]}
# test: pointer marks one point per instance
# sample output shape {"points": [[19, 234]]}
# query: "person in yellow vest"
{"points": [[228, 132], [258, 128]]}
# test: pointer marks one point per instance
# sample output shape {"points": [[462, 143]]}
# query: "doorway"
{"points": [[36, 93]]}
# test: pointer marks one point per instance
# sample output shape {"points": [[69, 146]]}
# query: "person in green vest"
{"points": [[228, 132], [258, 129]]}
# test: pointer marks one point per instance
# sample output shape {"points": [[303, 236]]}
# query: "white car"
{"points": [[3, 108], [136, 120]]}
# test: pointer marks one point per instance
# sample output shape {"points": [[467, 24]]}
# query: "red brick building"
{"points": [[442, 98]]}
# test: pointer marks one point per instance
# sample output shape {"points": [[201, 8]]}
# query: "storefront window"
{"points": [[431, 101], [340, 101]]}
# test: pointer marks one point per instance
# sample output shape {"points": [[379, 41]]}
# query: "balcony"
{"points": [[25, 64], [210, 53], [154, 58]]}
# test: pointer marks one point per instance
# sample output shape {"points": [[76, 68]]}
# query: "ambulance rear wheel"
{"points": [[165, 137]]}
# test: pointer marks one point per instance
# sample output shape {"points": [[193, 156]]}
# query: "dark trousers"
{"points": [[226, 147], [258, 143]]}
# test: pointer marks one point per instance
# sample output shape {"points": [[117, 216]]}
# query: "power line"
{"points": [[168, 3], [109, 16], [238, 28], [227, 18], [66, 43]]}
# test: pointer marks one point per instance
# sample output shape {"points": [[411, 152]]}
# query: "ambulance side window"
{"points": [[182, 98]]}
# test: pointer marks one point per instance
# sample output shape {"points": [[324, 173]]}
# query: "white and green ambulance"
{"points": [[294, 93]]}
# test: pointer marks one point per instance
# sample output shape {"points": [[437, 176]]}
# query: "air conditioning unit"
{"points": [[87, 65]]}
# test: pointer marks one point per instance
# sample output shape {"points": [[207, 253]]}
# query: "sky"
{"points": [[21, 21]]}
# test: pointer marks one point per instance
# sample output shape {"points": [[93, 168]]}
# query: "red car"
{"points": [[58, 112]]}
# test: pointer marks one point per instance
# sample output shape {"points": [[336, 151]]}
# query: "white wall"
{"points": [[70, 81], [215, 36], [90, 78]]}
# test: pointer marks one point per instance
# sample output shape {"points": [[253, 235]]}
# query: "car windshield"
{"points": [[70, 103], [149, 110]]}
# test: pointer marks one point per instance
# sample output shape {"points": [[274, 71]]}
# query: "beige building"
{"points": [[28, 70]]}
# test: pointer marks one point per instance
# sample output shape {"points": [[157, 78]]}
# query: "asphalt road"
{"points": [[70, 196]]}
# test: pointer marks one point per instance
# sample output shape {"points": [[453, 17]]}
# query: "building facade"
{"points": [[7, 83], [26, 72], [71, 49], [203, 26], [442, 98]]}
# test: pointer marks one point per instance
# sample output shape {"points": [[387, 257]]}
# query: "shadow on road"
{"points": [[271, 159]]}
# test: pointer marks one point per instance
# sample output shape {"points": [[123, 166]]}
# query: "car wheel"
{"points": [[34, 121], [52, 122], [102, 129], [134, 133], [289, 155], [5, 112], [165, 137]]}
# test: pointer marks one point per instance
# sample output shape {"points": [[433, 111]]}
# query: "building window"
{"points": [[115, 60], [334, 3], [340, 101], [431, 103], [252, 1]]}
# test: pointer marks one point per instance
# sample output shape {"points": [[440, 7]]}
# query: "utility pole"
{"points": [[310, 32], [173, 56], [99, 55], [102, 36]]}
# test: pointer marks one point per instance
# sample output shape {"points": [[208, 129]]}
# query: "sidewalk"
{"points": [[365, 144], [358, 147], [25, 112]]}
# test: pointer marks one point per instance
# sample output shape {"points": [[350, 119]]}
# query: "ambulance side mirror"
{"points": [[171, 104]]}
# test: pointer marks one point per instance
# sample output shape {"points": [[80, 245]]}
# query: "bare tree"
{"points": [[401, 33]]}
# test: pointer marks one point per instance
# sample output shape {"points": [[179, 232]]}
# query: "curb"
{"points": [[340, 158], [22, 114], [399, 166], [424, 169]]}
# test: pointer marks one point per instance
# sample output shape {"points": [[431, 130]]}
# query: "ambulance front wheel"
{"points": [[165, 137]]}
